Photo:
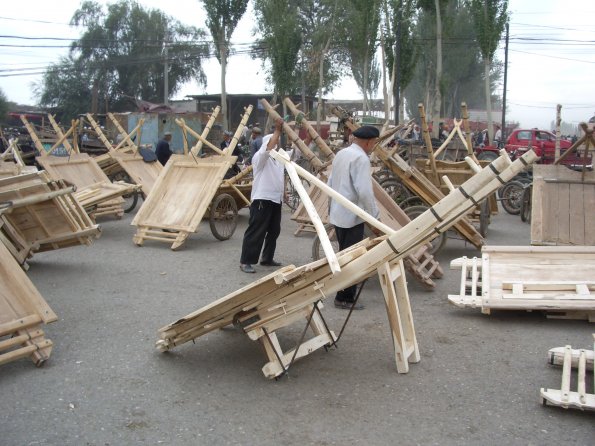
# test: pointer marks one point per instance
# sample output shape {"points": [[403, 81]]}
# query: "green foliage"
{"points": [[222, 18], [361, 40], [66, 86], [319, 20], [409, 50], [489, 18], [123, 50], [462, 75], [4, 106], [280, 41]]}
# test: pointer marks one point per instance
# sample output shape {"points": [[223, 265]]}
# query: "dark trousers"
{"points": [[264, 226], [346, 238]]}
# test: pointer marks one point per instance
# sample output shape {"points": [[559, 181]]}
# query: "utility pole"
{"points": [[397, 87], [166, 71], [503, 127]]}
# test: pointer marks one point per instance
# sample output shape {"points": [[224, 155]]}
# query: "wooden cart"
{"points": [[188, 188]]}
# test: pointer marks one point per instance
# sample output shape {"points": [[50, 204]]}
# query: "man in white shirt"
{"points": [[351, 177], [498, 136], [264, 225]]}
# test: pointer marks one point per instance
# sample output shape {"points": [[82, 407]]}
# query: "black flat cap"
{"points": [[367, 132]]}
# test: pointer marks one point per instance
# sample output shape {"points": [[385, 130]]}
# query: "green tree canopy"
{"points": [[280, 42], [361, 41], [122, 51], [222, 19]]}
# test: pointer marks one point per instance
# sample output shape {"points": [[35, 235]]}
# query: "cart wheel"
{"points": [[484, 218], [397, 191], [131, 199], [437, 242], [291, 197], [411, 201], [317, 252], [512, 195], [526, 204], [224, 216]]}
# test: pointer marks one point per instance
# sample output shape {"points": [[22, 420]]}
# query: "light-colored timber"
{"points": [[40, 214], [562, 206], [22, 311], [553, 279], [287, 294], [569, 359]]}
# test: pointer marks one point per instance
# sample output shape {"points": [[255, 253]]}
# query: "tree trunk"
{"points": [[223, 58], [365, 105], [437, 94], [320, 85], [488, 92], [384, 76]]}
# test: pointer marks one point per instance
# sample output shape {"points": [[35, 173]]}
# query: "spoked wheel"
{"points": [[438, 242], [224, 216], [292, 198], [512, 195], [484, 217], [131, 199], [526, 203], [317, 251], [397, 191]]}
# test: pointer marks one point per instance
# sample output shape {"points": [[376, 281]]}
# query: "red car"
{"points": [[541, 141]]}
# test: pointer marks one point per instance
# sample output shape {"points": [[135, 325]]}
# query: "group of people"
{"points": [[350, 177]]}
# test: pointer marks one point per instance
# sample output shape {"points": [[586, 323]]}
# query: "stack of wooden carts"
{"points": [[96, 193], [36, 214]]}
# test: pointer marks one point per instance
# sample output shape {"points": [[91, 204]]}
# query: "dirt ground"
{"points": [[105, 384]]}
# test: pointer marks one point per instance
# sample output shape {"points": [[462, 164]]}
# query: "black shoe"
{"points": [[271, 263], [247, 268], [344, 305]]}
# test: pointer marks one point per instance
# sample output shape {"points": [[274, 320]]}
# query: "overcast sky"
{"points": [[551, 57]]}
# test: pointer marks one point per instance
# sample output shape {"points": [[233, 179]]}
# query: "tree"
{"points": [[122, 51], [320, 50], [402, 11], [65, 87], [4, 106], [436, 8], [360, 39], [222, 19], [489, 18], [280, 42]]}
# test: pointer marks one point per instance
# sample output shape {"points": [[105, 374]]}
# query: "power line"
{"points": [[553, 57]]}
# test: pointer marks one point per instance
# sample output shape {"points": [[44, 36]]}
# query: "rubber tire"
{"points": [[484, 217], [526, 204], [438, 242], [131, 199], [397, 190], [487, 156], [223, 209], [512, 194], [317, 252]]}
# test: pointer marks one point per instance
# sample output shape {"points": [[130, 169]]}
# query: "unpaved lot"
{"points": [[105, 384]]}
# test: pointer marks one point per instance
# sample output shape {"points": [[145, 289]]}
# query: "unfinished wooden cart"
{"points": [[557, 280], [569, 359], [40, 214], [295, 293], [186, 189], [562, 206], [22, 312]]}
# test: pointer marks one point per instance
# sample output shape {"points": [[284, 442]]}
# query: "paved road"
{"points": [[477, 383]]}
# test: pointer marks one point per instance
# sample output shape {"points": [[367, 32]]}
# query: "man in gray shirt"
{"points": [[351, 177]]}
